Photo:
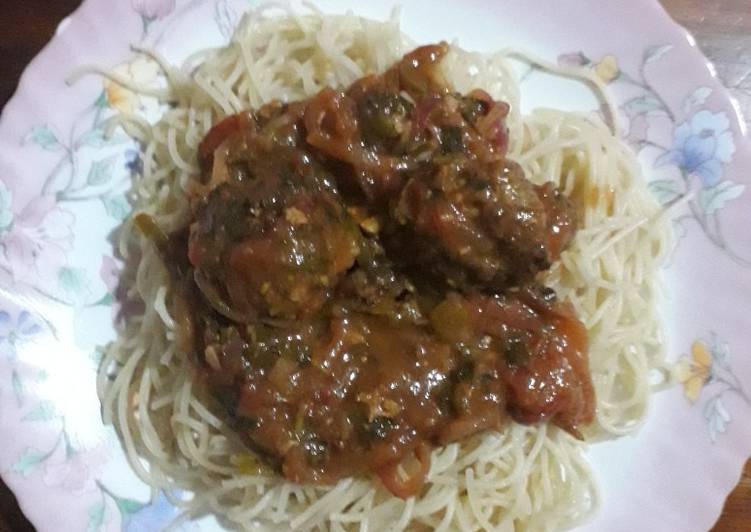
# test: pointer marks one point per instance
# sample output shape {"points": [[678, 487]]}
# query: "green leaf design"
{"points": [[696, 99], [44, 411], [96, 517], [664, 190], [720, 350], [101, 171], [28, 461], [73, 282], [642, 105], [127, 506], [18, 389], [117, 206], [101, 101], [70, 451], [653, 53], [106, 301], [96, 356], [44, 137], [6, 207], [94, 138], [714, 198]]}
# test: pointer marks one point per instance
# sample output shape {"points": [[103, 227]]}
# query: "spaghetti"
{"points": [[523, 478]]}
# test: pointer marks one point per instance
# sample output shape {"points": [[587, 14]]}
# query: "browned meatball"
{"points": [[273, 243], [482, 222]]}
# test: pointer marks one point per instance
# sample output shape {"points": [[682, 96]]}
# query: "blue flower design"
{"points": [[701, 146], [133, 162], [154, 516], [23, 327]]}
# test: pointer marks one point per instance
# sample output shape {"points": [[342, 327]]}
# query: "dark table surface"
{"points": [[721, 27]]}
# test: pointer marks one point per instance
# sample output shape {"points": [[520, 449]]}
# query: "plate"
{"points": [[61, 195]]}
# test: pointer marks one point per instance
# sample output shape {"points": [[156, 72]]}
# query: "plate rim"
{"points": [[82, 14]]}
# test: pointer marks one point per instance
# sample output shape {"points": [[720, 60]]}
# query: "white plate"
{"points": [[61, 195]]}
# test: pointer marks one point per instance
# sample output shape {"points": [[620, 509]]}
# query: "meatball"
{"points": [[274, 244], [483, 222]]}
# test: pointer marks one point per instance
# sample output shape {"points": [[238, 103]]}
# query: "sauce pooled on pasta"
{"points": [[358, 281]]}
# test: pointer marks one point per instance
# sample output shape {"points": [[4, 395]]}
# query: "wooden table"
{"points": [[721, 27]]}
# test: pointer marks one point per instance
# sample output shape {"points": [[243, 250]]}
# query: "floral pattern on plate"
{"points": [[707, 371], [37, 236], [700, 147], [134, 516], [151, 11]]}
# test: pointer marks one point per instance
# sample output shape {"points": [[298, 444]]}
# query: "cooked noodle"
{"points": [[524, 478]]}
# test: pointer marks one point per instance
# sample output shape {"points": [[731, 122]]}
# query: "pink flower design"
{"points": [[73, 470], [638, 129], [36, 239], [153, 9], [573, 59], [109, 272]]}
